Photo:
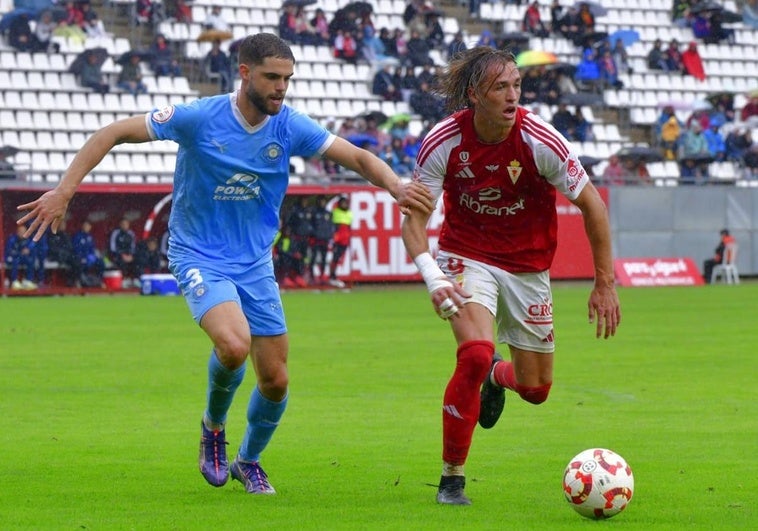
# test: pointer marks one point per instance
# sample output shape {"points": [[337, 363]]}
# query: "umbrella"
{"points": [[589, 39], [699, 158], [514, 36], [535, 58], [730, 17], [378, 116], [716, 97], [641, 153], [14, 14], [298, 3], [396, 119], [596, 8], [434, 12], [78, 63], [588, 161], [680, 105], [359, 8], [627, 36], [566, 69], [708, 5], [142, 54], [211, 35], [582, 98], [8, 151], [361, 139]]}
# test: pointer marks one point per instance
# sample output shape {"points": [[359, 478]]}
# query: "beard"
{"points": [[259, 102]]}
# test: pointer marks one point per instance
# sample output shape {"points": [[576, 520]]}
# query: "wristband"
{"points": [[431, 273]]}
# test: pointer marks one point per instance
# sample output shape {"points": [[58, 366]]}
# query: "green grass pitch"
{"points": [[101, 399]]}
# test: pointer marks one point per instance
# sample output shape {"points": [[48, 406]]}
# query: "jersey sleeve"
{"points": [[174, 122], [308, 137], [431, 164], [557, 161]]}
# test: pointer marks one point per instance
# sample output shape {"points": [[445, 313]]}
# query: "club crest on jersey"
{"points": [[163, 115], [463, 156], [514, 170], [272, 152]]}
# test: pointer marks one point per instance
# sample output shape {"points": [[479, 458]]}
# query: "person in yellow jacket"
{"points": [[342, 218]]}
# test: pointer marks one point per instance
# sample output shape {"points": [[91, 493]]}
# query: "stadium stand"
{"points": [[46, 113]]}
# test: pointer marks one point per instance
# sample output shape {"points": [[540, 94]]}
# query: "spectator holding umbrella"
{"points": [[88, 68], [130, 77]]}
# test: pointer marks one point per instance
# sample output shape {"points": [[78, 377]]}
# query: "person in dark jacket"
{"points": [[718, 255], [121, 247], [60, 249], [323, 229]]}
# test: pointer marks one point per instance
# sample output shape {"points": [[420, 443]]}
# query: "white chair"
{"points": [[727, 270]]}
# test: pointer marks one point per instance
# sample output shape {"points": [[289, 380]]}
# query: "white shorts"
{"points": [[522, 303]]}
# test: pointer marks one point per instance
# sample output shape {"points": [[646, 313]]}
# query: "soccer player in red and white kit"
{"points": [[498, 167]]}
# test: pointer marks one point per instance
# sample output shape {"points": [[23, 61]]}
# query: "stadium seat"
{"points": [[727, 271]]}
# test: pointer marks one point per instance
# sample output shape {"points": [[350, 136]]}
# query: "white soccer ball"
{"points": [[598, 483]]}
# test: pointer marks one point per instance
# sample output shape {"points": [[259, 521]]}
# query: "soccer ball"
{"points": [[598, 483]]}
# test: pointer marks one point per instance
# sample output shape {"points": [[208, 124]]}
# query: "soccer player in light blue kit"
{"points": [[231, 175]]}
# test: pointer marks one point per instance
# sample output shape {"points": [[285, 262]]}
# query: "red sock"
{"points": [[460, 410], [505, 376]]}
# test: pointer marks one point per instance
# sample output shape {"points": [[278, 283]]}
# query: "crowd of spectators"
{"points": [[78, 259], [312, 242]]}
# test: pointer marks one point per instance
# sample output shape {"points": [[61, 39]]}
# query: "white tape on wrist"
{"points": [[432, 274]]}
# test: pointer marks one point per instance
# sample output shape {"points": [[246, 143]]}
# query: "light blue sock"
{"points": [[262, 419], [222, 384]]}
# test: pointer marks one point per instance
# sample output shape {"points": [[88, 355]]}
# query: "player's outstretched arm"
{"points": [[408, 196], [50, 208], [603, 305]]}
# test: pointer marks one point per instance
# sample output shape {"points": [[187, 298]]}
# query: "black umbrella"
{"points": [[359, 8], [641, 153], [701, 158], [434, 12], [582, 99], [589, 39], [588, 161], [708, 5], [8, 151], [77, 64], [11, 16], [567, 69], [298, 3], [143, 55], [378, 116], [729, 17], [597, 9]]}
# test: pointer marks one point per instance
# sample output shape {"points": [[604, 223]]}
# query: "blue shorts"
{"points": [[204, 286]]}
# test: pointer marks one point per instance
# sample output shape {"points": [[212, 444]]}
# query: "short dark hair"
{"points": [[254, 49], [725, 232]]}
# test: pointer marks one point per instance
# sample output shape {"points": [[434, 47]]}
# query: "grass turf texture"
{"points": [[102, 398]]}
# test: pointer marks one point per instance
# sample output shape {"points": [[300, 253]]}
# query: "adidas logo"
{"points": [[452, 411], [465, 173]]}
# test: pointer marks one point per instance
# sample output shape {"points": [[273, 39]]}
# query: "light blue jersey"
{"points": [[229, 185], [230, 177]]}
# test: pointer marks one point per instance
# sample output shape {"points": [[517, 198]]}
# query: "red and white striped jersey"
{"points": [[499, 199]]}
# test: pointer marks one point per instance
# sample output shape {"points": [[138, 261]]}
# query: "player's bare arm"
{"points": [[408, 196], [447, 297], [50, 208], [603, 305]]}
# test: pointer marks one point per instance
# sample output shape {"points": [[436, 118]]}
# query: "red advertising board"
{"points": [[376, 252], [641, 272]]}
